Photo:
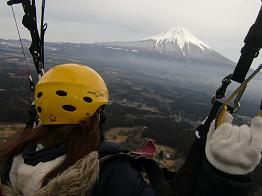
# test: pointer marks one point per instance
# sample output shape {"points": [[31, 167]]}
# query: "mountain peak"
{"points": [[176, 42], [179, 36]]}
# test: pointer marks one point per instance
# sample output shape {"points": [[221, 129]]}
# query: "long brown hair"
{"points": [[81, 139]]}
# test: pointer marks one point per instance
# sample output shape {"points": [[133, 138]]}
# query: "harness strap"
{"points": [[30, 22], [253, 43], [202, 129], [239, 91]]}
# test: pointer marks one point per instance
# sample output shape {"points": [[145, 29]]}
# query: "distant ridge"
{"points": [[177, 43]]}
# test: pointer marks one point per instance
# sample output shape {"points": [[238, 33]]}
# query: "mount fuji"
{"points": [[177, 42]]}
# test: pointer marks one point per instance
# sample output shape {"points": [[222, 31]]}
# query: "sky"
{"points": [[221, 24]]}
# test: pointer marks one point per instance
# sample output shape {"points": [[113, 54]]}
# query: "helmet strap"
{"points": [[101, 124]]}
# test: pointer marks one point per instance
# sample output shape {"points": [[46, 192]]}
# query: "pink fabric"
{"points": [[1, 190], [148, 150]]}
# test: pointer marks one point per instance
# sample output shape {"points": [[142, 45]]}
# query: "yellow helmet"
{"points": [[68, 93]]}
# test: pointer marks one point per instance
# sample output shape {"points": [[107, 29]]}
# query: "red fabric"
{"points": [[148, 150], [1, 191]]}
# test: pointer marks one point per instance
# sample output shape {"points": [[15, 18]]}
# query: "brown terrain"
{"points": [[7, 130], [131, 139]]}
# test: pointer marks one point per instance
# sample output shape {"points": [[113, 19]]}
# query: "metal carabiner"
{"points": [[237, 100], [221, 91]]}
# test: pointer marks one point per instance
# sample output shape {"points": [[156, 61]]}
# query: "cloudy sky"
{"points": [[220, 24]]}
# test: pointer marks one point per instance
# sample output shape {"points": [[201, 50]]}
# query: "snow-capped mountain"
{"points": [[177, 38], [178, 35], [176, 42]]}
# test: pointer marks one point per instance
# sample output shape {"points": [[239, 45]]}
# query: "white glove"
{"points": [[232, 149]]}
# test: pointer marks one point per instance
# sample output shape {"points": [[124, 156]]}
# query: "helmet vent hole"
{"points": [[39, 109], [69, 108], [39, 95], [61, 93], [88, 99]]}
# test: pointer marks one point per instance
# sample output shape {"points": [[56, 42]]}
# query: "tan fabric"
{"points": [[78, 179], [27, 178]]}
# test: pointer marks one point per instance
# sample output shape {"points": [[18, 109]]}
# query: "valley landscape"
{"points": [[160, 88]]}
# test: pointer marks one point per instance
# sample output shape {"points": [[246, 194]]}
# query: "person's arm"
{"points": [[216, 183], [118, 178], [232, 154]]}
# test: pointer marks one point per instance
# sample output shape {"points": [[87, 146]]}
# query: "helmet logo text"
{"points": [[97, 94]]}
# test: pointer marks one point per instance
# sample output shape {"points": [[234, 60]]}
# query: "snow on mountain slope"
{"points": [[179, 36]]}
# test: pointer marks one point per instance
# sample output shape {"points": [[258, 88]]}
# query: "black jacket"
{"points": [[118, 177], [198, 177]]}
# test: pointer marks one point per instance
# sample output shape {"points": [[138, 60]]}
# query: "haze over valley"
{"points": [[160, 87]]}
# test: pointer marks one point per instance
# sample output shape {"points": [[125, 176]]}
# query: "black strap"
{"points": [[30, 22], [185, 180], [154, 173], [32, 117], [42, 33], [203, 128], [253, 43]]}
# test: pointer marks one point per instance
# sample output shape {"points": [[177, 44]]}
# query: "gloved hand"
{"points": [[232, 149]]}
